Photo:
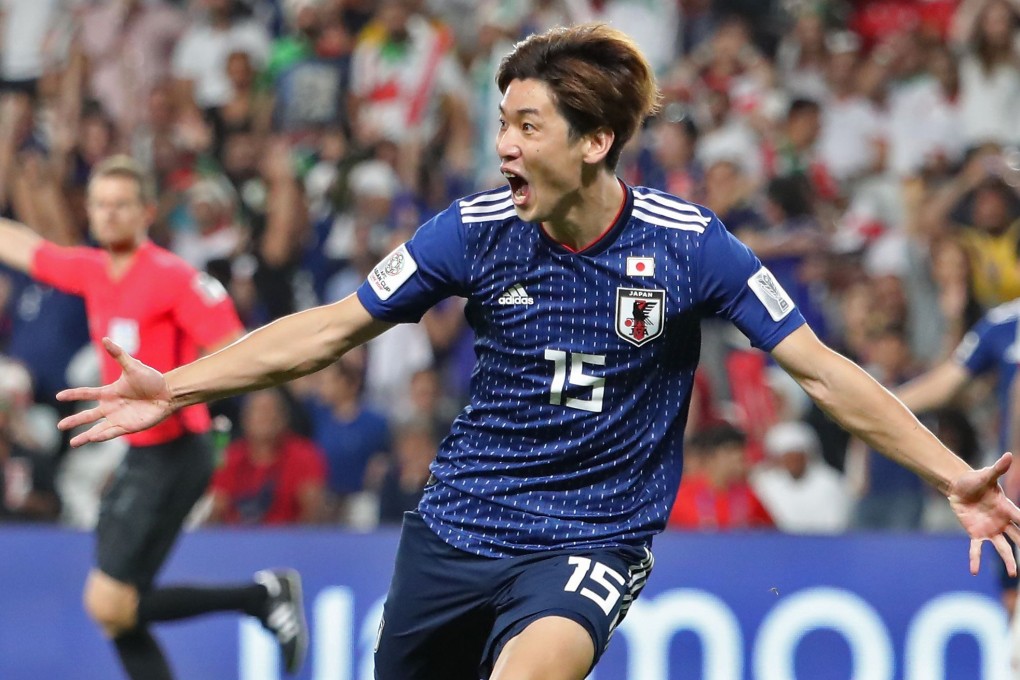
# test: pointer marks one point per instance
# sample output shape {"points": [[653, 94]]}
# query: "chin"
{"points": [[530, 213]]}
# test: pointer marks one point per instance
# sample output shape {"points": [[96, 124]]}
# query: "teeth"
{"points": [[508, 174]]}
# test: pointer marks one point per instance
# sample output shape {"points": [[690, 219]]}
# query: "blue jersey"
{"points": [[993, 344], [573, 434]]}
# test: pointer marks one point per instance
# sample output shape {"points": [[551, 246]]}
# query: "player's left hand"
{"points": [[986, 513], [137, 400]]}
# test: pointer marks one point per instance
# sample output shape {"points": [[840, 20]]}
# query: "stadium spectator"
{"points": [[248, 108], [852, 140], [802, 58], [888, 495], [666, 157], [938, 281], [407, 88], [47, 328], [718, 496], [984, 211], [211, 231], [269, 475], [27, 489], [428, 403], [128, 44], [309, 69], [988, 32], [164, 311], [801, 492], [792, 151], [724, 136], [32, 44], [348, 433], [199, 61], [654, 24], [911, 97], [415, 444]]}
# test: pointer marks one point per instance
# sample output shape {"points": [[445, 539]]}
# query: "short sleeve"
{"points": [[733, 284], [205, 311], [432, 266], [69, 270], [976, 352]]}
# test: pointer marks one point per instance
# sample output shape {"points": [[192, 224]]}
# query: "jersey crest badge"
{"points": [[640, 313]]}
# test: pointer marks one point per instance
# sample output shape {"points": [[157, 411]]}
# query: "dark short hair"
{"points": [[716, 436], [597, 75], [802, 105]]}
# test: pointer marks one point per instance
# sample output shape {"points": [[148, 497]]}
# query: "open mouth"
{"points": [[519, 187]]}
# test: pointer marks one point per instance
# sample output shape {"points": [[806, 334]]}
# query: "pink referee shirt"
{"points": [[160, 310]]}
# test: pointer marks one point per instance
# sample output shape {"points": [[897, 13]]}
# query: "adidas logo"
{"points": [[516, 295]]}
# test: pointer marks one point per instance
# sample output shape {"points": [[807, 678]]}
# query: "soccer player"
{"points": [[160, 309], [532, 538], [988, 347]]}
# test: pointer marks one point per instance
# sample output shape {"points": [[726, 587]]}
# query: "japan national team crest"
{"points": [[640, 313]]}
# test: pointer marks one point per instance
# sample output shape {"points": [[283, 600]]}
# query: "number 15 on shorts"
{"points": [[601, 576]]}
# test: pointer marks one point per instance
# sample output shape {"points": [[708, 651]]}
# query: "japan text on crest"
{"points": [[640, 313]]}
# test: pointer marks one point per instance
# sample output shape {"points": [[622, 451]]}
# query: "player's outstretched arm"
{"points": [[280, 351], [869, 411]]}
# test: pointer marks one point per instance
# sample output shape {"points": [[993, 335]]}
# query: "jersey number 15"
{"points": [[577, 378]]}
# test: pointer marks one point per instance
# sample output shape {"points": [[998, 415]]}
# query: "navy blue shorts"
{"points": [[449, 613]]}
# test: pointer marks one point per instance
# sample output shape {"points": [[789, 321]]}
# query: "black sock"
{"points": [[141, 655], [181, 602]]}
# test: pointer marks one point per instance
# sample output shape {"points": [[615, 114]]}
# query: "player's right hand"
{"points": [[138, 399]]}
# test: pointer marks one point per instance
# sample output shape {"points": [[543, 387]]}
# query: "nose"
{"points": [[506, 145]]}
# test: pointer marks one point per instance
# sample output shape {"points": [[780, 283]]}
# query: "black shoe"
{"points": [[284, 615]]}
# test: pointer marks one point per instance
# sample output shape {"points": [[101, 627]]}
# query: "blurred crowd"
{"points": [[867, 150]]}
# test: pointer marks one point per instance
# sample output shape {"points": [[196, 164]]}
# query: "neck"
{"points": [[262, 451], [346, 408], [121, 255], [589, 213], [219, 20]]}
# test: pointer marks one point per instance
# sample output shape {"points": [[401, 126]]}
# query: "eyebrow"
{"points": [[521, 112]]}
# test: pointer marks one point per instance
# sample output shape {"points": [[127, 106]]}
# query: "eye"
{"points": [[502, 124], [528, 127]]}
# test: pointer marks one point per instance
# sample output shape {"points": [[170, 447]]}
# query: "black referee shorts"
{"points": [[141, 514]]}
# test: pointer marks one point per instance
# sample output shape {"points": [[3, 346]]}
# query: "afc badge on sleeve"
{"points": [[640, 313], [393, 272], [771, 294]]}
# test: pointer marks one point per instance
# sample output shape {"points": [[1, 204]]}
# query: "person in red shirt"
{"points": [[271, 475], [715, 494], [164, 312]]}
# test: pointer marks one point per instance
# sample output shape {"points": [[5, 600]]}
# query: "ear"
{"points": [[598, 144], [151, 211]]}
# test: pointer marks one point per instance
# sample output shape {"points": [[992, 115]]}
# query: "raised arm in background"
{"points": [[18, 244]]}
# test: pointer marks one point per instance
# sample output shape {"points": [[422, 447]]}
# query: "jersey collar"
{"points": [[607, 237]]}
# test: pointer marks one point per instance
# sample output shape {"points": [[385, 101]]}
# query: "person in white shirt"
{"points": [[803, 494]]}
